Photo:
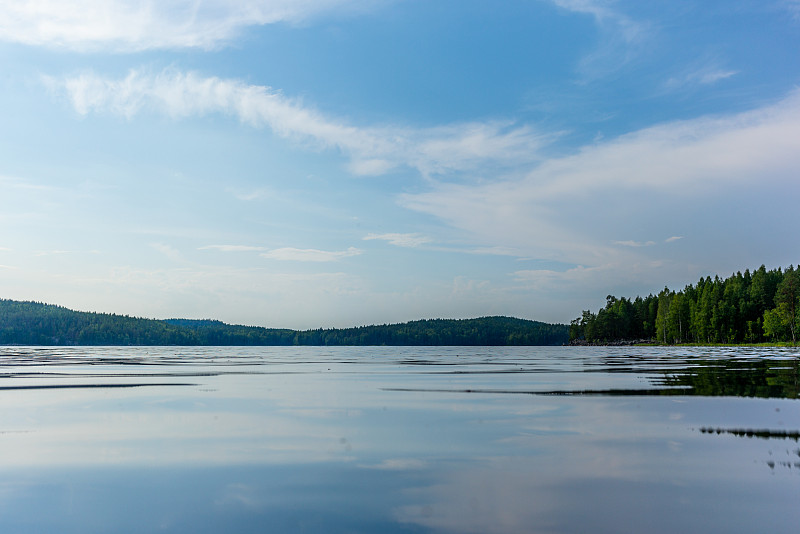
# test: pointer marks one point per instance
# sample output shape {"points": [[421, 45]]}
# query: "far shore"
{"points": [[654, 343]]}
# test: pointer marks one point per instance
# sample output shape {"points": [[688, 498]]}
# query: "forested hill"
{"points": [[33, 323], [757, 307]]}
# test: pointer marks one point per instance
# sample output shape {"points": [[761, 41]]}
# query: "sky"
{"points": [[333, 163]]}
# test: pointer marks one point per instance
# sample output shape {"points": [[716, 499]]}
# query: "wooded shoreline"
{"points": [[32, 323], [746, 308]]}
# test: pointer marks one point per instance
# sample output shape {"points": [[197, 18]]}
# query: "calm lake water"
{"points": [[398, 439]]}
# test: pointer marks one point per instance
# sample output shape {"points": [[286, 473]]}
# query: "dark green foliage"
{"points": [[32, 323], [745, 308], [738, 378], [482, 331], [621, 319]]}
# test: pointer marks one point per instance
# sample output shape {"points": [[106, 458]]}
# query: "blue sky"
{"points": [[335, 163]]}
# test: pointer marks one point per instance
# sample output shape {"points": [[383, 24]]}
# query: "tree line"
{"points": [[34, 323], [481, 331], [758, 307]]}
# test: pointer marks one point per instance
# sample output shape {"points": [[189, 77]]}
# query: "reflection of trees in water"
{"points": [[772, 463], [751, 433], [737, 378]]}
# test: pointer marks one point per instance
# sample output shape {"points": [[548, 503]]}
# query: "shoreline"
{"points": [[654, 343]]}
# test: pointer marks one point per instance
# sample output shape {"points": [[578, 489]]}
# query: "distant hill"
{"points": [[34, 323]]}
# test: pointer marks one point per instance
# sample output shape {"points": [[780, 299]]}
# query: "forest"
{"points": [[34, 323], [758, 307]]}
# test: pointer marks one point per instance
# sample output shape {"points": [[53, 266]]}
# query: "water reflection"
{"points": [[739, 377], [750, 433], [764, 378], [377, 439]]}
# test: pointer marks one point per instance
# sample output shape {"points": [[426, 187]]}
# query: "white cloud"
{"points": [[123, 25], [620, 36], [689, 154], [464, 286], [167, 251], [712, 76], [496, 251], [548, 279], [398, 464], [52, 252], [313, 255], [232, 248], [566, 208], [13, 183], [604, 14], [703, 76], [252, 195], [635, 244], [401, 240], [673, 238], [372, 150]]}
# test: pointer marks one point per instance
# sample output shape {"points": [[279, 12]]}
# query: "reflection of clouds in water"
{"points": [[322, 413], [238, 495], [500, 499], [280, 446], [164, 437], [398, 464], [612, 463]]}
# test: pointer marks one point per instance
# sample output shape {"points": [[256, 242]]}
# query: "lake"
{"points": [[399, 439]]}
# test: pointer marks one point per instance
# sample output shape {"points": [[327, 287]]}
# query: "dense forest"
{"points": [[758, 307], [33, 323]]}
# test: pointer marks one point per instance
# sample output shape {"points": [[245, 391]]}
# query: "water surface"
{"points": [[399, 439]]}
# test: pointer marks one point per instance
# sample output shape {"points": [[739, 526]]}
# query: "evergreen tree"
{"points": [[786, 299], [745, 307]]}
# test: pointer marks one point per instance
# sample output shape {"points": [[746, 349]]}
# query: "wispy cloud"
{"points": [[605, 14], [543, 213], [400, 240], [52, 252], [11, 182], [673, 239], [793, 6], [398, 464], [620, 35], [372, 150], [168, 251], [251, 195], [635, 244], [495, 251], [541, 279], [713, 76], [232, 248], [707, 75], [121, 25], [308, 254]]}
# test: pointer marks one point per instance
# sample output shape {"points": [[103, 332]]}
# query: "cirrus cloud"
{"points": [[309, 254], [666, 167], [232, 248], [400, 240], [635, 244], [125, 26], [373, 150]]}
